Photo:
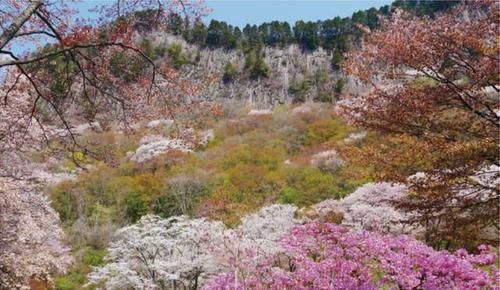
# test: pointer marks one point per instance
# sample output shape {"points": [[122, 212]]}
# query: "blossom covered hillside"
{"points": [[146, 148], [328, 256], [185, 253], [273, 250]]}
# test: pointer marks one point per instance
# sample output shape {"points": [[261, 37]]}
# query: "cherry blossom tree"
{"points": [[158, 253], [76, 67], [183, 253], [31, 247], [56, 71], [370, 207]]}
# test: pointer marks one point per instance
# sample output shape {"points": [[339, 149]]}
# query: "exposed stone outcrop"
{"points": [[287, 66]]}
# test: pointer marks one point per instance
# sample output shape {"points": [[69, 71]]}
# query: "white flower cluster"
{"points": [[327, 160], [182, 252], [30, 236], [154, 145], [370, 207]]}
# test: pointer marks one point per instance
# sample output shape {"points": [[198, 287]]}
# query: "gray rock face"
{"points": [[286, 67]]}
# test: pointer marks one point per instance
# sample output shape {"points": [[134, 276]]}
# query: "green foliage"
{"points": [[337, 59], [93, 257], [327, 130], [299, 90], [325, 97], [307, 34], [135, 206], [339, 86], [176, 57], [230, 72], [243, 170], [289, 195], [220, 34], [198, 34], [86, 258], [422, 8], [70, 281], [310, 185], [175, 24], [321, 76], [126, 197], [147, 48], [64, 201], [257, 67], [321, 79], [126, 66], [180, 196], [422, 82], [159, 52]]}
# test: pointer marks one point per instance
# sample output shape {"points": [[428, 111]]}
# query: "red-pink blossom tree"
{"points": [[72, 67]]}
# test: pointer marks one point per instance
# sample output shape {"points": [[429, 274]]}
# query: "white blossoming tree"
{"points": [[182, 253], [370, 207], [31, 245]]}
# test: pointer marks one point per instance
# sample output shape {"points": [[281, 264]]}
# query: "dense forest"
{"points": [[147, 149]]}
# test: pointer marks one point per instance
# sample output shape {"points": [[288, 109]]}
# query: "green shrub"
{"points": [[159, 52], [64, 201], [93, 257], [337, 59], [230, 72], [299, 90], [339, 86], [69, 282], [325, 97], [126, 66], [289, 195], [256, 65], [324, 130], [77, 276], [422, 82], [310, 185], [177, 57], [135, 207]]}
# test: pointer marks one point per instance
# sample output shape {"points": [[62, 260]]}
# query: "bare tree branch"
{"points": [[14, 27]]}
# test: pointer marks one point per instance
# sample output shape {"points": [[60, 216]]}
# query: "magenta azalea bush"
{"points": [[329, 256]]}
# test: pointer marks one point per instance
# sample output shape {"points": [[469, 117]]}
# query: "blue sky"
{"points": [[241, 12]]}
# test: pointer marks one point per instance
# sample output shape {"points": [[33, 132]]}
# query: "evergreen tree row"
{"points": [[332, 34]]}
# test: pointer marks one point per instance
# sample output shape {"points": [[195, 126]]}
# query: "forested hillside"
{"points": [[146, 149], [272, 63]]}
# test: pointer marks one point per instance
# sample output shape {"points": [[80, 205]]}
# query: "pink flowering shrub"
{"points": [[328, 256]]}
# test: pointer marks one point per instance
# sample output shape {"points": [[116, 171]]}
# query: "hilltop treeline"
{"points": [[332, 34]]}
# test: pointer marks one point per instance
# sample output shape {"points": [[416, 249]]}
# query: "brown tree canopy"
{"points": [[435, 95]]}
